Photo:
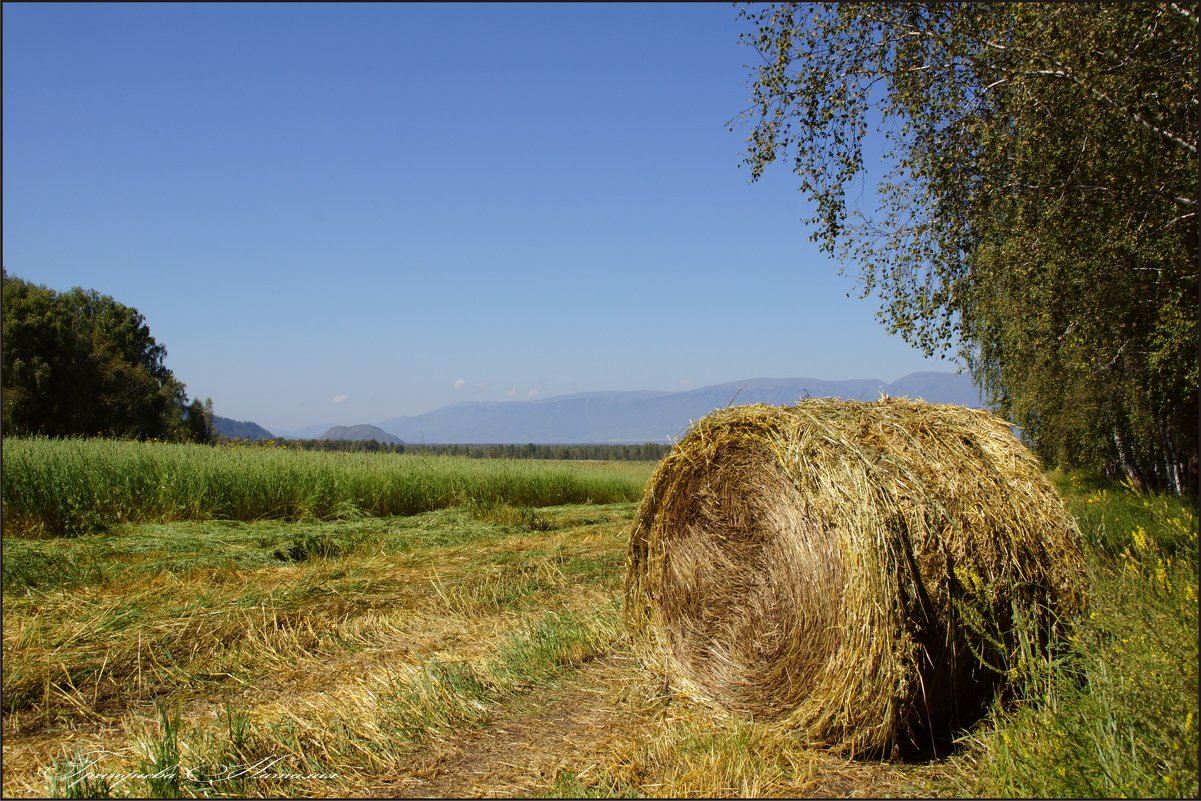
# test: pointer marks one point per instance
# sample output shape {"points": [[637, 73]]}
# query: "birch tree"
{"points": [[1035, 212]]}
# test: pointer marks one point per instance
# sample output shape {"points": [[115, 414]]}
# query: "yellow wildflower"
{"points": [[1139, 536]]}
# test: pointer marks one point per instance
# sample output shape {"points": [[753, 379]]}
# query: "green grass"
{"points": [[161, 762], [78, 486], [1115, 715]]}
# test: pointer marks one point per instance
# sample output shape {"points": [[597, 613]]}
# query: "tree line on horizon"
{"points": [[629, 452], [640, 452]]}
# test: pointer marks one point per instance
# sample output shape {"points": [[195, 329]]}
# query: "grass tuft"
{"points": [[161, 765], [74, 778]]}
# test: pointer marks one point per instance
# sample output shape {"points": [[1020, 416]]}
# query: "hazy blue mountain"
{"points": [[308, 432], [621, 417], [360, 432], [236, 429], [946, 387]]}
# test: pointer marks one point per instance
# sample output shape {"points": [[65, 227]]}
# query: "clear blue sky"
{"points": [[344, 213]]}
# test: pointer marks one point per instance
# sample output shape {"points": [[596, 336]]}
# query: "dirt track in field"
{"points": [[576, 728], [520, 752]]}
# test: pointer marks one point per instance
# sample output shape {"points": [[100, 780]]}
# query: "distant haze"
{"points": [[640, 416]]}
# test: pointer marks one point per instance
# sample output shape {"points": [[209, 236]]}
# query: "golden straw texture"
{"points": [[841, 569]]}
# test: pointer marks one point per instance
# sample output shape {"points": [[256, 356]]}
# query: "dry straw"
{"points": [[848, 570]]}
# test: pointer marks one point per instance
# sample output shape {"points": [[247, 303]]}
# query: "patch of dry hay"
{"points": [[841, 568]]}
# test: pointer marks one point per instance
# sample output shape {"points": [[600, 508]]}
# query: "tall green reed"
{"points": [[66, 487]]}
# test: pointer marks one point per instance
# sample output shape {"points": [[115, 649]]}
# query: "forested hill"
{"points": [[236, 429], [359, 433]]}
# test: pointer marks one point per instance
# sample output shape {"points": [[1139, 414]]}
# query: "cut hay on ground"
{"points": [[839, 568]]}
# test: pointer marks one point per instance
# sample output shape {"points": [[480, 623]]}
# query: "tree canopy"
{"points": [[80, 363], [1038, 216]]}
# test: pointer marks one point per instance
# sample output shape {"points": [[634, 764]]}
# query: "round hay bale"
{"points": [[849, 570]]}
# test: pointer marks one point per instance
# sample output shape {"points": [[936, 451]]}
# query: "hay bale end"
{"points": [[849, 571]]}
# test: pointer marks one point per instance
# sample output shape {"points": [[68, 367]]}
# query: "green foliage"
{"points": [[1116, 714], [1110, 513], [1039, 215], [80, 363]]}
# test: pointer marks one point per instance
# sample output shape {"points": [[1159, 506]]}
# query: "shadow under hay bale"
{"points": [[849, 571]]}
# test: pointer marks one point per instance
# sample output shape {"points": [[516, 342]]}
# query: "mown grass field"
{"points": [[295, 640]]}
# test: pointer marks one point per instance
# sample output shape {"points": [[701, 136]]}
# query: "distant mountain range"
{"points": [[635, 417], [620, 417]]}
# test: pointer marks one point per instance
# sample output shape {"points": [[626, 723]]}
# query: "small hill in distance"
{"points": [[236, 429], [361, 432]]}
